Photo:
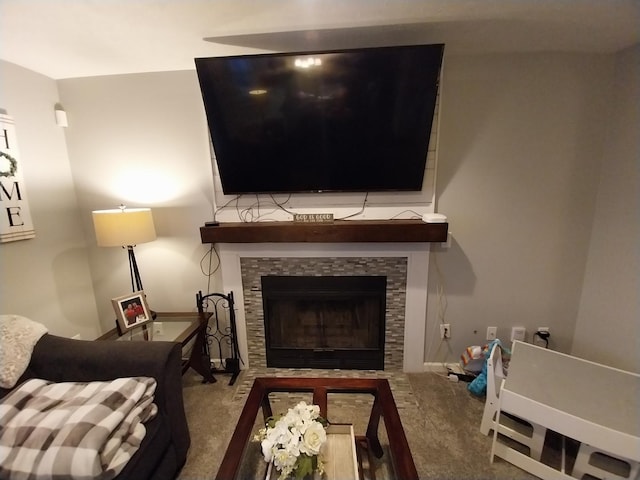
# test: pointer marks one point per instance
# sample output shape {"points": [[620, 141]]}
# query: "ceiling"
{"points": [[80, 38]]}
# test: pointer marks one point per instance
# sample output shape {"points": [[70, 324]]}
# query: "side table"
{"points": [[179, 327]]}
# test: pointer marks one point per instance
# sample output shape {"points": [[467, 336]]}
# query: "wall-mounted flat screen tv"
{"points": [[355, 120]]}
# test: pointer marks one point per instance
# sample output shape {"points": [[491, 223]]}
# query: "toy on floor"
{"points": [[478, 386]]}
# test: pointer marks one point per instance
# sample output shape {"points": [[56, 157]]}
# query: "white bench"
{"points": [[532, 436], [592, 403]]}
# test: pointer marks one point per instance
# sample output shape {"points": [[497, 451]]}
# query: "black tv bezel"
{"points": [[293, 190]]}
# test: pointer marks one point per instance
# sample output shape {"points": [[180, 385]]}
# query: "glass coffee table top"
{"points": [[368, 404]]}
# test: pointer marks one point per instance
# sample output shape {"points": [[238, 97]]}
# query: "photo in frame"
{"points": [[131, 310]]}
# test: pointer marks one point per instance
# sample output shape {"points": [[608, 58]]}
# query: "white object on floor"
{"points": [[587, 464], [579, 399], [508, 427]]}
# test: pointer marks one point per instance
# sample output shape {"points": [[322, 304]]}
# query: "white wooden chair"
{"points": [[599, 464], [519, 430]]}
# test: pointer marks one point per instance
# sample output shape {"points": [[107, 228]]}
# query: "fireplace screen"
{"points": [[324, 322]]}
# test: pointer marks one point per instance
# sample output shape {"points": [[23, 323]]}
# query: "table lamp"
{"points": [[126, 228]]}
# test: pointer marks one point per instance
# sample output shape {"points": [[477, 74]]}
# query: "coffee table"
{"points": [[398, 454]]}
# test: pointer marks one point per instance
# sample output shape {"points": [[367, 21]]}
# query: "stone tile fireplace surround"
{"points": [[404, 264], [394, 268]]}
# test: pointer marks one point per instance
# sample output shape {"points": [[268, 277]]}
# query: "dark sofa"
{"points": [[163, 451]]}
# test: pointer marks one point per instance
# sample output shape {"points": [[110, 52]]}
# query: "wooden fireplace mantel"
{"points": [[338, 231]]}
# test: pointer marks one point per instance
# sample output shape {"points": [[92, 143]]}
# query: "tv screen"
{"points": [[354, 120]]}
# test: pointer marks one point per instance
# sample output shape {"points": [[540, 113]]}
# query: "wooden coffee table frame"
{"points": [[383, 406]]}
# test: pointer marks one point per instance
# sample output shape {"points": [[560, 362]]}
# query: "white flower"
{"points": [[306, 412], [297, 433], [313, 438], [267, 449], [282, 459]]}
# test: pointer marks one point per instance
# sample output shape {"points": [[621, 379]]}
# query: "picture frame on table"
{"points": [[131, 310]]}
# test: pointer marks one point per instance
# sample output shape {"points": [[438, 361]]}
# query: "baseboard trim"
{"points": [[439, 367]]}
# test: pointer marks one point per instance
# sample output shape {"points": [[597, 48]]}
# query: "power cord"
{"points": [[544, 336]]}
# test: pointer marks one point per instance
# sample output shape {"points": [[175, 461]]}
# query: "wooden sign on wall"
{"points": [[15, 217]]}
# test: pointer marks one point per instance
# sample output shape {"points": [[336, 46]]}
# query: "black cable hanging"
{"points": [[544, 336]]}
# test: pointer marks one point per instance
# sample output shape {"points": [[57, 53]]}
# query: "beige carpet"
{"points": [[441, 420]]}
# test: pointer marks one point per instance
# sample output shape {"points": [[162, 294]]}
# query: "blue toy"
{"points": [[478, 386]]}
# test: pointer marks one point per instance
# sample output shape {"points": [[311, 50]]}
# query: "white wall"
{"points": [[608, 326], [142, 140], [46, 278], [521, 145], [521, 142]]}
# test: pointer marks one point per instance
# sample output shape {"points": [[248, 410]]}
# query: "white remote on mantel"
{"points": [[434, 218]]}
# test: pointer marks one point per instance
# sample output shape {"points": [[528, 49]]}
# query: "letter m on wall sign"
{"points": [[15, 217]]}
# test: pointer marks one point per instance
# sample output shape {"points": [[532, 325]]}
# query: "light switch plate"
{"points": [[492, 333]]}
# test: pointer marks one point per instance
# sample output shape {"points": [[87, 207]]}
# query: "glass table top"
{"points": [[167, 327]]}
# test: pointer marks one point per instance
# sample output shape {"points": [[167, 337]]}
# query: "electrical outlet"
{"points": [[518, 333], [445, 330], [492, 333], [541, 337], [158, 328]]}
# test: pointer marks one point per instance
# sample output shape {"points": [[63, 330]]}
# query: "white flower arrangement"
{"points": [[293, 441]]}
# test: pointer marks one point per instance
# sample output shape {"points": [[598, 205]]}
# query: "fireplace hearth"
{"points": [[324, 321]]}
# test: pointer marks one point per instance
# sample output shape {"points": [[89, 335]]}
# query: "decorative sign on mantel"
{"points": [[15, 217], [313, 217]]}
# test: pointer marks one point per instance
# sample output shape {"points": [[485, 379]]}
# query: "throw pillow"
{"points": [[18, 336]]}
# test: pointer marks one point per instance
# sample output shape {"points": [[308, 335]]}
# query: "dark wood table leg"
{"points": [[199, 359], [372, 428], [320, 399], [363, 450], [266, 406]]}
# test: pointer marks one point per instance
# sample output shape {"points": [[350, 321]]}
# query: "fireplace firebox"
{"points": [[324, 321]]}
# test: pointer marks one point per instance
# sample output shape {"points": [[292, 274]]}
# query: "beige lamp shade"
{"points": [[122, 227]]}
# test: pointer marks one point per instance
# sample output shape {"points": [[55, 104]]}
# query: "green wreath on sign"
{"points": [[13, 165]]}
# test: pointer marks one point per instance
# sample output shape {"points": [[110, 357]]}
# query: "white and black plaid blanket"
{"points": [[73, 430]]}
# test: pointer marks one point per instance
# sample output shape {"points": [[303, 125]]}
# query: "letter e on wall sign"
{"points": [[15, 217]]}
